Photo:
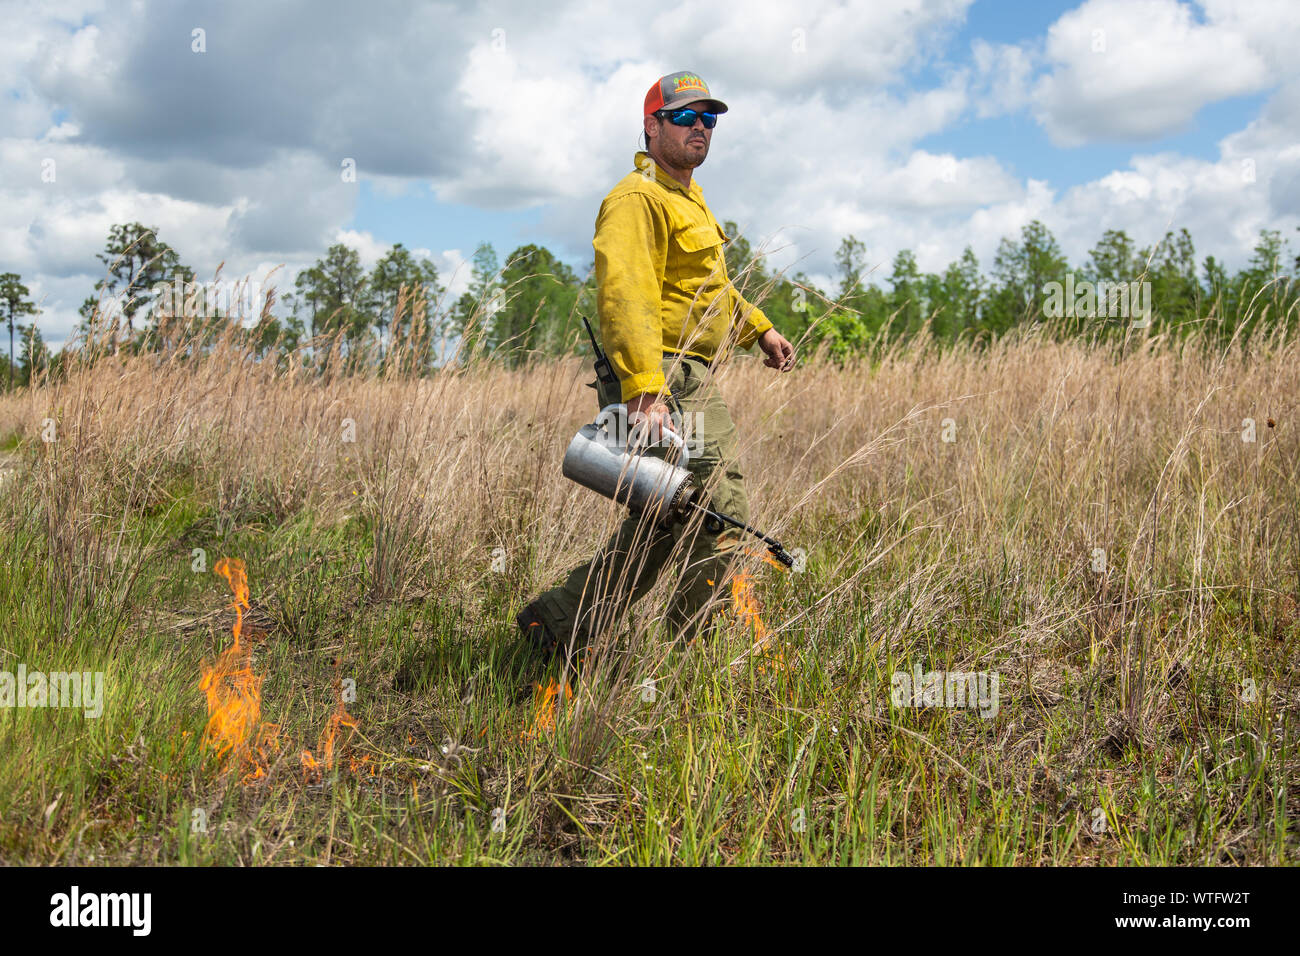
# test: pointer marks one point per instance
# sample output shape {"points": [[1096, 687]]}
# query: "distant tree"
{"points": [[1020, 270], [1216, 276], [739, 257], [1267, 262], [310, 293], [1113, 264], [847, 328], [539, 293], [399, 279], [850, 260], [1262, 286], [336, 290], [1222, 292], [137, 261], [791, 303], [14, 302], [1114, 259], [1175, 291], [475, 310], [270, 334], [954, 297], [906, 298], [1041, 256], [35, 357]]}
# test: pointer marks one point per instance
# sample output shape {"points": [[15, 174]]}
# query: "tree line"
{"points": [[399, 312], [1031, 281]]}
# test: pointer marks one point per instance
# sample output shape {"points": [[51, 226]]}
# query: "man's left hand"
{"points": [[779, 352]]}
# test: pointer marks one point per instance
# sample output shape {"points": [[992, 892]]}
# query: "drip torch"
{"points": [[601, 457]]}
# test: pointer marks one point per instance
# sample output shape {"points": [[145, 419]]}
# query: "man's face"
{"points": [[683, 146]]}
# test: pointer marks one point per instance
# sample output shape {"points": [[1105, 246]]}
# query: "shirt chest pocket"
{"points": [[698, 258]]}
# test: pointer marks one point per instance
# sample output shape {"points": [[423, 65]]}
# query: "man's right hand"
{"points": [[646, 408]]}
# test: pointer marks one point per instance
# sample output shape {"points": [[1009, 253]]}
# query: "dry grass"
{"points": [[1124, 733]]}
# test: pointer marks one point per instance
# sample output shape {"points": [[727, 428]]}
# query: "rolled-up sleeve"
{"points": [[748, 321], [631, 251]]}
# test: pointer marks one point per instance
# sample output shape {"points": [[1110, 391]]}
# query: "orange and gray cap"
{"points": [[677, 90]]}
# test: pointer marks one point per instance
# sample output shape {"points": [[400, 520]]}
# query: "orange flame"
{"points": [[548, 699], [234, 692], [746, 607], [745, 604], [234, 695], [232, 569], [314, 769], [766, 555], [774, 660], [358, 764]]}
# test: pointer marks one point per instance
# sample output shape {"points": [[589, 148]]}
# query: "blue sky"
{"points": [[921, 124]]}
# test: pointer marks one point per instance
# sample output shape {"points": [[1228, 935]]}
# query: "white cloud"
{"points": [[1002, 77], [453, 273], [1139, 69], [546, 113], [1270, 27], [236, 157], [841, 48], [369, 249]]}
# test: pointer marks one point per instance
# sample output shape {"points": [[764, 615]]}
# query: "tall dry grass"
{"points": [[953, 504]]}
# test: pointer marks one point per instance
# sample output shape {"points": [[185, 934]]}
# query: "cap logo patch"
{"points": [[689, 82]]}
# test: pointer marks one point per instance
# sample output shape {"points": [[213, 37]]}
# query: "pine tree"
{"points": [[14, 301]]}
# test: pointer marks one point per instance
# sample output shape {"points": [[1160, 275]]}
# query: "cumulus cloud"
{"points": [[295, 75], [1139, 69], [235, 153], [1002, 74], [226, 126]]}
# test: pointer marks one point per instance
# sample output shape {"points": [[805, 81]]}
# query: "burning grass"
{"points": [[235, 731], [1098, 534], [549, 699]]}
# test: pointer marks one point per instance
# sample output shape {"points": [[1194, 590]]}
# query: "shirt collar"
{"points": [[663, 179]]}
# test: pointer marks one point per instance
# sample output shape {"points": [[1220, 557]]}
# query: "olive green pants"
{"points": [[596, 595]]}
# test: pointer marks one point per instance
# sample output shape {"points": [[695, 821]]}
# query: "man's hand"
{"points": [[779, 352], [645, 408]]}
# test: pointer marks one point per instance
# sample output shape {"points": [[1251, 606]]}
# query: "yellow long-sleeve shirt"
{"points": [[661, 279]]}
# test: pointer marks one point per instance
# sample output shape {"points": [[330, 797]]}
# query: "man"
{"points": [[668, 316]]}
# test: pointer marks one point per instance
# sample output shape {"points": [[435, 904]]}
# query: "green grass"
{"points": [[809, 764], [1146, 715]]}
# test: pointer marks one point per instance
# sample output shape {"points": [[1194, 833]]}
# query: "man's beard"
{"points": [[684, 157]]}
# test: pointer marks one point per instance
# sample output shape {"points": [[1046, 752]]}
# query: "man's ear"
{"points": [[649, 124]]}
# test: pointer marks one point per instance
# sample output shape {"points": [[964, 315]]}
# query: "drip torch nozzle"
{"points": [[781, 555], [774, 547]]}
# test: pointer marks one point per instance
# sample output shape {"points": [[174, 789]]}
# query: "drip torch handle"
{"points": [[618, 413]]}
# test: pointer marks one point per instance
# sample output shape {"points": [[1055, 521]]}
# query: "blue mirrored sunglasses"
{"points": [[688, 117]]}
